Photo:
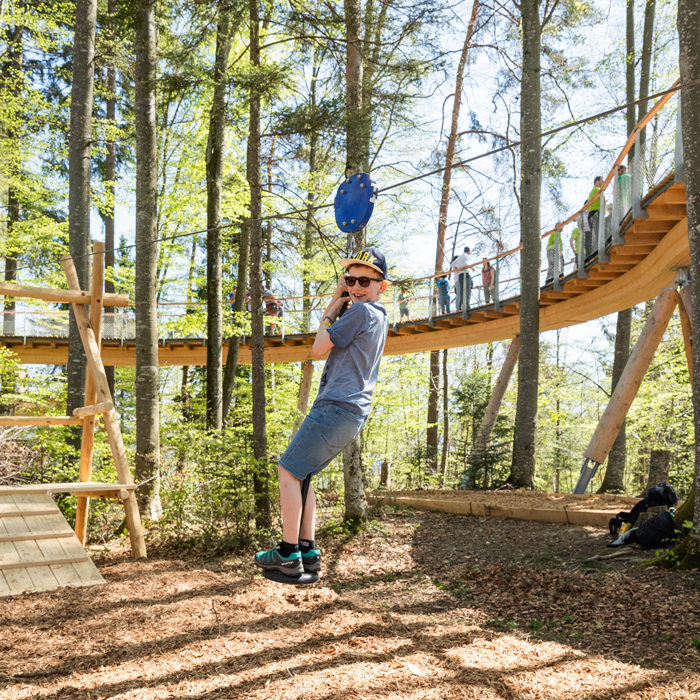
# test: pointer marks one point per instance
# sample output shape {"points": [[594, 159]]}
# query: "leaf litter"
{"points": [[422, 605]]}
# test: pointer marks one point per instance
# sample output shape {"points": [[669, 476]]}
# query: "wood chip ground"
{"points": [[419, 606]]}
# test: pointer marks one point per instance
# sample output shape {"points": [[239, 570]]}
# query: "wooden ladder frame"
{"points": [[98, 399]]}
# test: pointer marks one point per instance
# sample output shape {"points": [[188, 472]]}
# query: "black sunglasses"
{"points": [[364, 281]]}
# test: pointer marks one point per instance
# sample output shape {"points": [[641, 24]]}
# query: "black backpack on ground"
{"points": [[656, 532], [661, 495]]}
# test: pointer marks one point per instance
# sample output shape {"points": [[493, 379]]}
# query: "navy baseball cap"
{"points": [[370, 257]]}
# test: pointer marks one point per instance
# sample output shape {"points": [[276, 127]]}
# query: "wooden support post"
{"points": [[88, 439], [304, 391], [685, 310], [489, 420], [635, 369], [97, 370]]}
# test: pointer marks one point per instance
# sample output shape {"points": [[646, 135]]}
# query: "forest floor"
{"points": [[418, 605]]}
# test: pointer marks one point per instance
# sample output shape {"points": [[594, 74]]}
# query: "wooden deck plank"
{"points": [[17, 581], [86, 573], [74, 487], [64, 574], [42, 577]]}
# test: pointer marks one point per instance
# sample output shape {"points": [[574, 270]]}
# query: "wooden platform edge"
{"points": [[594, 518]]}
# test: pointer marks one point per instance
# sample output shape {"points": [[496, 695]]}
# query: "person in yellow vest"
{"points": [[551, 250], [594, 209]]}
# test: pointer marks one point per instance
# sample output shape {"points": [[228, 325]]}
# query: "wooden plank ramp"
{"points": [[38, 549]]}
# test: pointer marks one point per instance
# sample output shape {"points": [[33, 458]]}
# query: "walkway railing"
{"points": [[418, 299]]}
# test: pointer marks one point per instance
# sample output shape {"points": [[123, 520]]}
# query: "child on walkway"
{"points": [[356, 343]]}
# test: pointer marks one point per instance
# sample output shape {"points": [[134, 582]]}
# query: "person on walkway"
{"points": [[443, 289], [551, 256], [594, 209], [270, 308], [574, 242], [461, 280], [487, 280], [404, 314], [624, 185], [356, 343]]}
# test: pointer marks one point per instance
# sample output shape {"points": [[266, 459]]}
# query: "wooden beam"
{"points": [[28, 513], [499, 390], [114, 435], [23, 421], [59, 296], [36, 536], [93, 410], [666, 211], [304, 393], [63, 487], [122, 495], [87, 441], [627, 387], [43, 562]]}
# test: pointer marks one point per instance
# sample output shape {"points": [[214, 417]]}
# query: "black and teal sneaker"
{"points": [[272, 560], [312, 561]]}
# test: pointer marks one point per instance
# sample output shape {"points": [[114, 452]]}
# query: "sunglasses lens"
{"points": [[364, 281], [350, 281]]}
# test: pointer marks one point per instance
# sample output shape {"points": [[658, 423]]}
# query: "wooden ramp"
{"points": [[38, 549]]}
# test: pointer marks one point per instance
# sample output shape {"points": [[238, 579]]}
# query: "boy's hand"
{"points": [[341, 287]]}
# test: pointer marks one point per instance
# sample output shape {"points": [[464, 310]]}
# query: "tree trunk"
{"points": [[263, 519], [629, 73], [79, 148], [659, 465], [234, 342], [689, 59], [185, 389], [355, 157], [523, 466], [445, 418], [647, 46], [147, 367], [110, 182], [433, 403], [356, 161], [434, 380], [215, 177]]}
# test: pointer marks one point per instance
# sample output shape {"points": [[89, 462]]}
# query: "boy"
{"points": [[356, 343]]}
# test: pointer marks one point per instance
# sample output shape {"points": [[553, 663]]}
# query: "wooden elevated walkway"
{"points": [[637, 271]]}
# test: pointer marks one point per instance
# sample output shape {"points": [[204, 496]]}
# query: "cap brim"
{"points": [[346, 262]]}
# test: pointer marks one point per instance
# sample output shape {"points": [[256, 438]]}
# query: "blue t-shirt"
{"points": [[443, 287], [352, 367]]}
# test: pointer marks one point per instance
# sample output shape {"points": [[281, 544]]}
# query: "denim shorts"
{"points": [[324, 434]]}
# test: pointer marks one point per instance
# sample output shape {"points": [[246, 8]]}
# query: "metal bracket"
{"points": [[587, 473]]}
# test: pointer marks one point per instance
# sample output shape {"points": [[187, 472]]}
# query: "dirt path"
{"points": [[422, 605]]}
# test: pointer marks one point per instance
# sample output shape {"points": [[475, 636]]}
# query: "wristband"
{"points": [[326, 322], [330, 320]]}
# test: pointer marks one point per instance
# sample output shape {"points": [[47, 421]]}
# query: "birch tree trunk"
{"points": [[79, 148], [215, 177], [263, 518], [523, 465], [432, 436], [147, 368]]}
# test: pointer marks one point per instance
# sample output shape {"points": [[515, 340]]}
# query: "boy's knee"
{"points": [[282, 473]]}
